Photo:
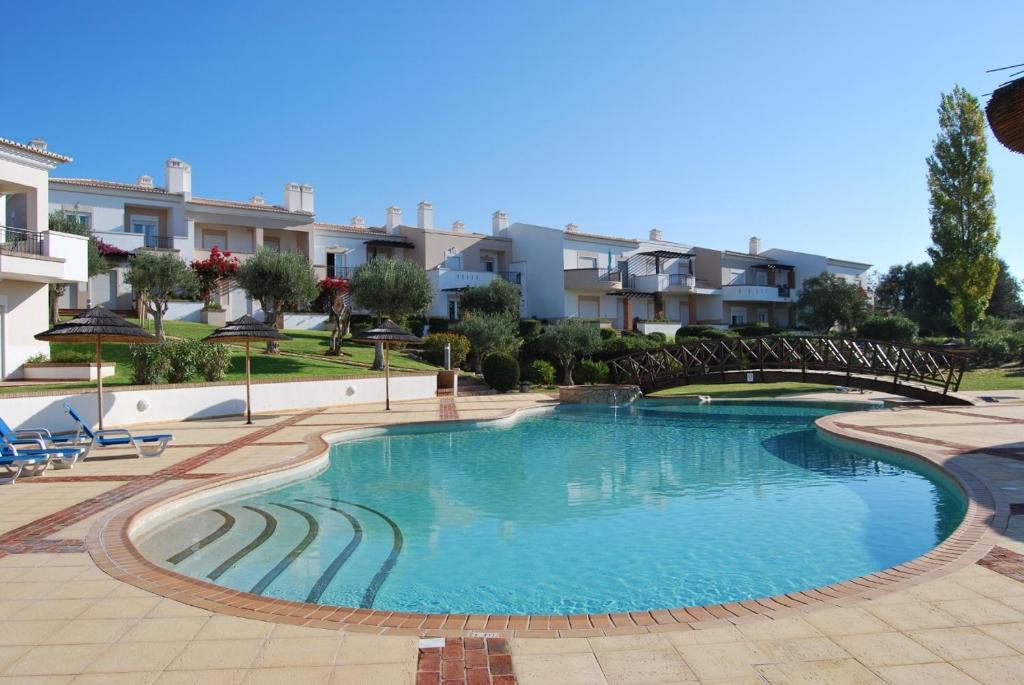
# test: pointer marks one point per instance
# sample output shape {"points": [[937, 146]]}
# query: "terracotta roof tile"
{"points": [[28, 148], [213, 202], [347, 228], [109, 185]]}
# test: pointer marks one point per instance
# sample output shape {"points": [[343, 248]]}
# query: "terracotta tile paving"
{"points": [[466, 661], [850, 634]]}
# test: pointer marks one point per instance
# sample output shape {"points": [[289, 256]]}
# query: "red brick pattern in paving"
{"points": [[1004, 561], [52, 523], [449, 411], [466, 661], [41, 545]]}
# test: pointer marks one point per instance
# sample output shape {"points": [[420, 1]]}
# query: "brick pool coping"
{"points": [[109, 543]]}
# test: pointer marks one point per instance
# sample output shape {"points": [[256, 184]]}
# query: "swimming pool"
{"points": [[576, 510]]}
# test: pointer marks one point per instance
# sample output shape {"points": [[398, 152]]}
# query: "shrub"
{"points": [[501, 371], [214, 362], [625, 344], [568, 339], [608, 333], [591, 372], [658, 337], [891, 328], [433, 348], [692, 331], [149, 364], [183, 359], [541, 372], [40, 358], [73, 357], [755, 330], [997, 348], [529, 328], [438, 324], [489, 333]]}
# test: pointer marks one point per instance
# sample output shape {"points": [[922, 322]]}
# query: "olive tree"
{"points": [[497, 297], [156, 279], [567, 340], [826, 300], [390, 289], [277, 280], [489, 333]]}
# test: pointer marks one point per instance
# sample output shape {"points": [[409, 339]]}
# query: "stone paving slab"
{"points": [[65, 620]]}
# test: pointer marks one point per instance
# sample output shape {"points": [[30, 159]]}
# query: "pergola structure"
{"points": [[1005, 112]]}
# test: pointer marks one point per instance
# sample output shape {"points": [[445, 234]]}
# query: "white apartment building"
{"points": [[31, 256], [131, 217], [656, 284]]}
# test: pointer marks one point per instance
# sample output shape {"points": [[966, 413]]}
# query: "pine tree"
{"points": [[962, 213]]}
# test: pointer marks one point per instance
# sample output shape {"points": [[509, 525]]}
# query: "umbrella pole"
{"points": [[248, 391], [387, 377], [99, 382]]}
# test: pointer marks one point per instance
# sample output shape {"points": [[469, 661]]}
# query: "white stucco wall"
{"points": [[122, 407], [540, 250], [25, 312]]}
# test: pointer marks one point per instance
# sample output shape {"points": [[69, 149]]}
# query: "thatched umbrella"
{"points": [[248, 330], [389, 334], [98, 325], [1005, 112]]}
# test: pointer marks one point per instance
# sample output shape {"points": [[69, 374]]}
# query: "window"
{"points": [[272, 244], [336, 263], [739, 316], [145, 225], [212, 239], [488, 263], [762, 316], [84, 218], [587, 262], [589, 307], [762, 277]]}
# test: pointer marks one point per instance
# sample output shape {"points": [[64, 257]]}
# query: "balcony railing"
{"points": [[21, 241], [515, 277], [682, 279], [337, 271], [158, 242]]}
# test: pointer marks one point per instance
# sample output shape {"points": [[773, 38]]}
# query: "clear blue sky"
{"points": [[806, 123]]}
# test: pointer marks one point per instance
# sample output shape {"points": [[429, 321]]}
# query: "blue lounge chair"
{"points": [[18, 460], [31, 436], [144, 445]]}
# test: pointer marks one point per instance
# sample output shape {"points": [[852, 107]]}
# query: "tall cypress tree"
{"points": [[962, 214]]}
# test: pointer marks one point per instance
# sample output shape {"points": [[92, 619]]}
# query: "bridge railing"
{"points": [[903, 363]]}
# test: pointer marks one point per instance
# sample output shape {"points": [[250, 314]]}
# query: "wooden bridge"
{"points": [[929, 374]]}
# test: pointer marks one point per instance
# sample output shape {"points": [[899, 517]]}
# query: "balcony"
{"points": [[757, 293], [46, 257], [158, 242], [593, 279]]}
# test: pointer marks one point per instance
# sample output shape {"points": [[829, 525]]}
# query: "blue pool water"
{"points": [[576, 510]]}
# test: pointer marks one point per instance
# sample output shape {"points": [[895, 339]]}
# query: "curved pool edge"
{"points": [[110, 545]]}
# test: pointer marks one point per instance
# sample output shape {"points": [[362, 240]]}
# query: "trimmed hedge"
{"points": [[501, 371], [529, 328], [178, 361]]}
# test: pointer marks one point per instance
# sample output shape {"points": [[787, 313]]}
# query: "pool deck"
{"points": [[77, 607]]}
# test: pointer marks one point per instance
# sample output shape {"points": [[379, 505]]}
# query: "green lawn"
{"points": [[356, 361], [1004, 378], [730, 390]]}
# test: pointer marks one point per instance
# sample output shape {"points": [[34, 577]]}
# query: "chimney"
{"points": [[755, 245], [257, 200], [458, 227], [359, 222], [178, 177], [655, 234], [307, 198], [394, 220], [38, 144], [571, 228], [144, 181], [499, 222], [425, 215]]}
